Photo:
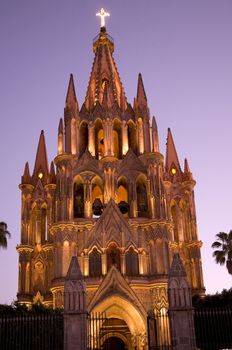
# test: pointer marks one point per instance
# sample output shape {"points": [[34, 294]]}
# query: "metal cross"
{"points": [[102, 14]]}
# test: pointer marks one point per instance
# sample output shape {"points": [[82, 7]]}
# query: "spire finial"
{"points": [[102, 14]]}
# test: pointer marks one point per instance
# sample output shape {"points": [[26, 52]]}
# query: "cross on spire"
{"points": [[102, 14]]}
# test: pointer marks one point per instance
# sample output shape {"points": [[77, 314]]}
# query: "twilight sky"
{"points": [[183, 49]]}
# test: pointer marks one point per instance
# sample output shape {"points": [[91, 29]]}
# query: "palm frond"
{"points": [[216, 244], [222, 236], [219, 257]]}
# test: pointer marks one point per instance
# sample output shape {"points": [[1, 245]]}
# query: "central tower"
{"points": [[113, 202]]}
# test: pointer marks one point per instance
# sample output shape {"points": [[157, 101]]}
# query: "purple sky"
{"points": [[182, 48]]}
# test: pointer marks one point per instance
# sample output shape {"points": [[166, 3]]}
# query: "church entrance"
{"points": [[114, 343]]}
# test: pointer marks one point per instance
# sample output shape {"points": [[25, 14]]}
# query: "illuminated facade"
{"points": [[113, 201]]}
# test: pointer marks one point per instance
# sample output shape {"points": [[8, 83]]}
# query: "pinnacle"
{"points": [[186, 166], [177, 267], [154, 124], [52, 175], [71, 99], [60, 128], [171, 154], [141, 95], [74, 271], [41, 161], [26, 175]]}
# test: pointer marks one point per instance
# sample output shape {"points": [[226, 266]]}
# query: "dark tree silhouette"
{"points": [[223, 249], [3, 235]]}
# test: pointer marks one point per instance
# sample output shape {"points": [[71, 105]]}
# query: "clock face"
{"points": [[40, 175]]}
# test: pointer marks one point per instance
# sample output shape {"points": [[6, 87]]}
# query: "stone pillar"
{"points": [[180, 307], [91, 145], [125, 145], [140, 136], [75, 312]]}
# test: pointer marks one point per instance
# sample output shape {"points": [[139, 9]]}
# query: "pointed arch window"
{"points": [[95, 267], [142, 202], [132, 263], [122, 196], [113, 257], [117, 139], [105, 83], [99, 140], [78, 200], [132, 136]]}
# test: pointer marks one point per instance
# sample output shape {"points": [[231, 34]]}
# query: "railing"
{"points": [[37, 332], [213, 328], [96, 330]]}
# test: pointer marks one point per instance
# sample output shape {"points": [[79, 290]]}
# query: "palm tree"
{"points": [[223, 254], [3, 235]]}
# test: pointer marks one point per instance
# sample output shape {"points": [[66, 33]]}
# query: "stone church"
{"points": [[113, 200]]}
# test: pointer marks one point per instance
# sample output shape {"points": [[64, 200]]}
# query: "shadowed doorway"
{"points": [[113, 343]]}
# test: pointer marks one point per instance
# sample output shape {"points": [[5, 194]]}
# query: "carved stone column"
{"points": [[123, 264], [91, 145], [125, 145], [140, 136]]}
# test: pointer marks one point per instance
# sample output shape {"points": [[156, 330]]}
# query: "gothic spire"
{"points": [[61, 128], [141, 94], [61, 137], [186, 166], [71, 100], [172, 161], [26, 175], [52, 174], [41, 161], [104, 72]]}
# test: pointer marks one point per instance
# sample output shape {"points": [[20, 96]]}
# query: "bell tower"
{"points": [[114, 201]]}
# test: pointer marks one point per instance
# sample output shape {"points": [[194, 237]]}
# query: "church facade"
{"points": [[111, 199]]}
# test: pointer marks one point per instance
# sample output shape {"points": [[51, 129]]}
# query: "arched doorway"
{"points": [[123, 319], [113, 343]]}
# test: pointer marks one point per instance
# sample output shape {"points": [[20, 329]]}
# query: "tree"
{"points": [[3, 234], [223, 252]]}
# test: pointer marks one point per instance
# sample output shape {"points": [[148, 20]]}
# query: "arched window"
{"points": [[117, 139], [113, 257], [84, 137], [97, 197], [122, 196], [99, 140], [105, 83], [132, 137], [95, 267], [132, 263], [78, 200], [142, 203]]}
